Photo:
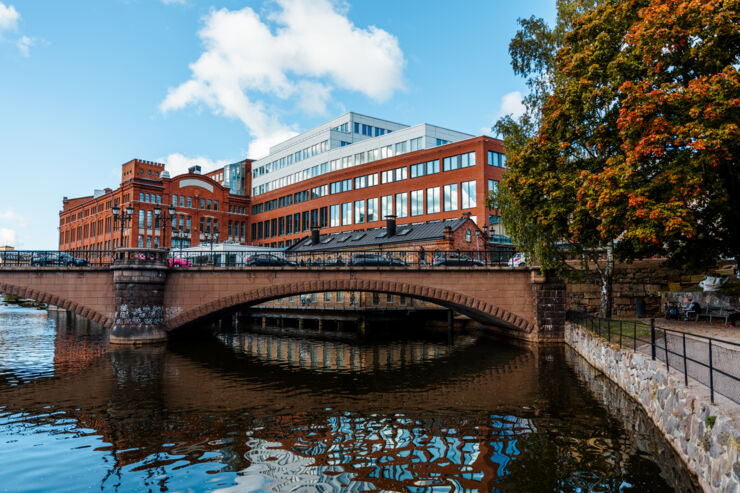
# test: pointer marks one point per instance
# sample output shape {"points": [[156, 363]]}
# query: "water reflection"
{"points": [[256, 412]]}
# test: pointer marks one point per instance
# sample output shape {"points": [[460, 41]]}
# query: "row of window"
{"points": [[291, 158], [341, 163], [459, 161], [392, 175], [496, 159], [150, 198], [423, 169]]}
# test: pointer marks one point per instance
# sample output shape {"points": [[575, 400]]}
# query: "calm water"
{"points": [[260, 412]]}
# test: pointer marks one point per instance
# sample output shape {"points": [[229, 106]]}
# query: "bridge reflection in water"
{"points": [[260, 412]]}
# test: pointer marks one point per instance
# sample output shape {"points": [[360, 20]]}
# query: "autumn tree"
{"points": [[634, 149]]}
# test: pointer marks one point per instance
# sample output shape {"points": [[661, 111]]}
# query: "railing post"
{"points": [[665, 340], [652, 338], [634, 336], [711, 374], [620, 334], [685, 372]]}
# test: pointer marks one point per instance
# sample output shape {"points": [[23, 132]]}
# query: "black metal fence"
{"points": [[55, 258], [247, 258], [712, 362], [337, 258]]}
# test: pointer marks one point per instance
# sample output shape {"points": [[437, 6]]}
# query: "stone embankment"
{"points": [[706, 436]]}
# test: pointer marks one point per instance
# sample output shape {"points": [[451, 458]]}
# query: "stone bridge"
{"points": [[140, 299]]}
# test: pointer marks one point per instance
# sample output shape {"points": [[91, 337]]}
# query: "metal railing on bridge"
{"points": [[56, 258], [712, 362], [262, 258]]}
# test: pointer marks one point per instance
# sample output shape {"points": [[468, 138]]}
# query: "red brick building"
{"points": [[202, 206], [427, 185]]}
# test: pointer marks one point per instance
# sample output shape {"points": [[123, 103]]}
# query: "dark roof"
{"points": [[405, 233]]}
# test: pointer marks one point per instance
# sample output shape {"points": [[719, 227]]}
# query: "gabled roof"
{"points": [[405, 233]]}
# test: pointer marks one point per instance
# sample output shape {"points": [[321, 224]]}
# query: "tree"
{"points": [[568, 137], [634, 150], [679, 125]]}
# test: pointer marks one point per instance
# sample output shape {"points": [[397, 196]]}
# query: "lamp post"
{"points": [[123, 218], [210, 237], [164, 218], [485, 242]]}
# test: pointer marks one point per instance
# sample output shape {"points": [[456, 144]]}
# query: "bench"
{"points": [[715, 311]]}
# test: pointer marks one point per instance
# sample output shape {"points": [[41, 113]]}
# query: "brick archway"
{"points": [[473, 307], [61, 301]]}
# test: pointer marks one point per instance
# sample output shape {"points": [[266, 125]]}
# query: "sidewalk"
{"points": [[716, 330]]}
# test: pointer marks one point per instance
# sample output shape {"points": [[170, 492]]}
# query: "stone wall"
{"points": [[706, 436], [642, 280]]}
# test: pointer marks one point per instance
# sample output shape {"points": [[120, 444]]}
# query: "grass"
{"points": [[610, 330]]}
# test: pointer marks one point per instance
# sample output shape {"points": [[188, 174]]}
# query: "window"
{"points": [[372, 210], [340, 296], [441, 142], [376, 299], [416, 144], [432, 200], [386, 206], [182, 201], [202, 203], [142, 224], [148, 219], [394, 175], [468, 236], [347, 213], [334, 216], [417, 202], [402, 204], [174, 201], [389, 298], [400, 147], [468, 194], [327, 296], [359, 211], [141, 242], [422, 169], [459, 161], [450, 193], [141, 198], [496, 159]]}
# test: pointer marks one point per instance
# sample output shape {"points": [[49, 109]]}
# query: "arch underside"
{"points": [[61, 302], [475, 308]]}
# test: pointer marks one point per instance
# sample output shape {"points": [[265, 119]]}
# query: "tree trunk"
{"points": [[607, 275]]}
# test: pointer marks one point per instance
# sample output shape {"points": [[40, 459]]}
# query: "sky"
{"points": [[90, 84]]}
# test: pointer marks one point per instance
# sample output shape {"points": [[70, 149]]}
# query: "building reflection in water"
{"points": [[259, 412]]}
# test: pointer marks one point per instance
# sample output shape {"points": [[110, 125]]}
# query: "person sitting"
{"points": [[692, 309], [671, 311]]}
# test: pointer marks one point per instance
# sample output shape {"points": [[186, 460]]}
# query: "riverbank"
{"points": [[706, 436]]}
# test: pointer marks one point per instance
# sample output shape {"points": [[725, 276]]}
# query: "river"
{"points": [[248, 411]]}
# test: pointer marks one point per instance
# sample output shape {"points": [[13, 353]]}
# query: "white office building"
{"points": [[349, 140]]}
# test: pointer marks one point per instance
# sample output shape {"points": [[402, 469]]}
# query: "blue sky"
{"points": [[90, 84]]}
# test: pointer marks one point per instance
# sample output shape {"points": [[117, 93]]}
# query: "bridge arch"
{"points": [[61, 301], [473, 307]]}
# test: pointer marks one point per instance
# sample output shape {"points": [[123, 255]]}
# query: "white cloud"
{"points": [[8, 17], [302, 51], [178, 164], [8, 237], [24, 44], [512, 104], [10, 216]]}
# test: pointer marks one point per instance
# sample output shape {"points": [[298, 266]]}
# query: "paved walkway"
{"points": [[717, 330]]}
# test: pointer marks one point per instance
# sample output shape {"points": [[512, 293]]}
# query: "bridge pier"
{"points": [[139, 277]]}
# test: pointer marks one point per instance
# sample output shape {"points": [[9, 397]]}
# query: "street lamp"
{"points": [[122, 217], [210, 237], [164, 218]]}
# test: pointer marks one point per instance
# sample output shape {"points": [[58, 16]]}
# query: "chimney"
{"points": [[390, 226], [448, 233], [466, 215], [315, 236]]}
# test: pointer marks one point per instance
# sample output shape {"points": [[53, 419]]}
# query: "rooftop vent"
{"points": [[404, 232], [194, 170]]}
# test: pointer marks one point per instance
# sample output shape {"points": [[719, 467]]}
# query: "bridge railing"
{"points": [[56, 258], [339, 258], [712, 362], [245, 258]]}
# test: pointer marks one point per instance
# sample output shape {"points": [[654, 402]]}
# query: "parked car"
{"points": [[179, 262], [267, 259], [518, 260], [67, 259], [41, 259], [455, 259], [371, 259]]}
